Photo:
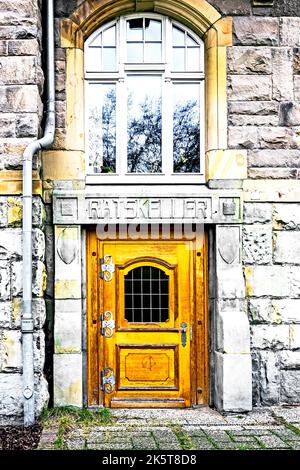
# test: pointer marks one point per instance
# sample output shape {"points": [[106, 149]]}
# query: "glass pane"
{"points": [[152, 30], [108, 58], [193, 59], [135, 52], [93, 59], [152, 52], [178, 37], [186, 128], [97, 41], [144, 126], [102, 128], [109, 36], [178, 59], [146, 303], [135, 30], [190, 41]]}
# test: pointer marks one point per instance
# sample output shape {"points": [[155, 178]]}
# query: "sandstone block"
{"points": [[5, 280], [41, 393], [274, 158], [11, 241], [247, 60], [5, 314], [3, 212], [289, 114], [297, 87], [282, 60], [269, 379], [233, 332], [290, 359], [27, 125], [267, 281], [260, 310], [286, 216], [275, 137], [290, 386], [3, 48], [243, 87], [38, 311], [10, 350], [290, 32], [294, 336], [233, 386], [39, 279], [272, 173], [230, 283], [38, 244], [254, 31], [257, 244], [39, 351], [287, 247], [286, 310], [28, 47], [18, 99], [38, 212], [68, 379], [7, 125], [295, 282], [68, 326], [243, 137], [11, 403], [232, 7], [270, 337], [26, 67], [257, 212]]}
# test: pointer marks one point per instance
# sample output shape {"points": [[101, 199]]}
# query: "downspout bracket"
{"points": [[27, 325]]}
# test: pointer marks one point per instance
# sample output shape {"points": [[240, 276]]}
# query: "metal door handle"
{"points": [[183, 333]]}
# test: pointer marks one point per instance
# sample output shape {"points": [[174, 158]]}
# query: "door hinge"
{"points": [[107, 324], [107, 268], [108, 380]]}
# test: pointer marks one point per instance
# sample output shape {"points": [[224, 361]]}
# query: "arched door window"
{"points": [[144, 102], [146, 295]]}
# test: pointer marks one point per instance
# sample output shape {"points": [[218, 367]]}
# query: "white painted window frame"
{"points": [[168, 79]]}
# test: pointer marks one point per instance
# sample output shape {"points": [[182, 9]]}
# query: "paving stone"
{"points": [[273, 442], [202, 444], [75, 444], [143, 443], [119, 446]]}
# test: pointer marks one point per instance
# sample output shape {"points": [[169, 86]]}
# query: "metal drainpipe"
{"points": [[27, 326]]}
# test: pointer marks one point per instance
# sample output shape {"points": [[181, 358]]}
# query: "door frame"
{"points": [[200, 341]]}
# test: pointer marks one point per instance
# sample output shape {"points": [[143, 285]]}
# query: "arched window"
{"points": [[144, 102]]}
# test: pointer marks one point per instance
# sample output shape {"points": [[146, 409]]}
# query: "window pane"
{"points": [[190, 41], [144, 126], [152, 30], [147, 305], [135, 52], [153, 52], [109, 36], [93, 59], [135, 30], [193, 59], [108, 58], [178, 59], [102, 128], [186, 128], [178, 37]]}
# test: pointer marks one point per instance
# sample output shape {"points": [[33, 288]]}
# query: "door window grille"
{"points": [[146, 295]]}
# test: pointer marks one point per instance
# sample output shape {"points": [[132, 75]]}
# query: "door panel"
{"points": [[147, 302]]}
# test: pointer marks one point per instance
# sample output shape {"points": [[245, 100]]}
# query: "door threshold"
{"points": [[148, 403]]}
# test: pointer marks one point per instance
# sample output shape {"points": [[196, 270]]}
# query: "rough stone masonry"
{"points": [[263, 118]]}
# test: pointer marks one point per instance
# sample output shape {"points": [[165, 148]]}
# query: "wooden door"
{"points": [[146, 298]]}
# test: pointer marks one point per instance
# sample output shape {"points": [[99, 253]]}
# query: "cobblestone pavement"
{"points": [[200, 429]]}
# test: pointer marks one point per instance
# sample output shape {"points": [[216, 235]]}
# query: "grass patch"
{"points": [[183, 438]]}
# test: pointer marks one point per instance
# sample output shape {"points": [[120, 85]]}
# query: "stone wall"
{"points": [[21, 86], [264, 118]]}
